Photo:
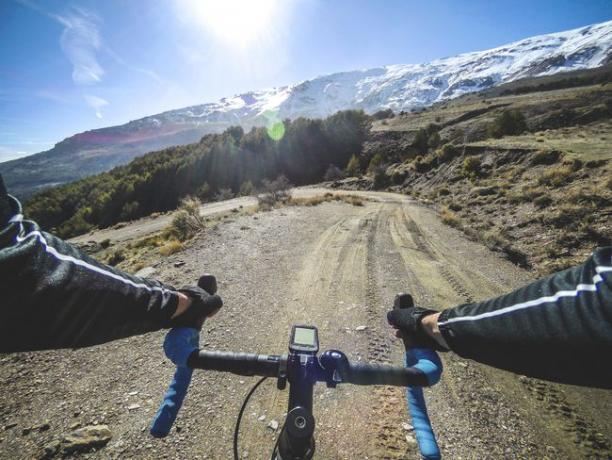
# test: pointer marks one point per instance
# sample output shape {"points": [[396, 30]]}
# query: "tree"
{"points": [[353, 168], [376, 161], [509, 122]]}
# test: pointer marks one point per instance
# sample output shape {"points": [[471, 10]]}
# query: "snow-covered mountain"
{"points": [[399, 87], [405, 86]]}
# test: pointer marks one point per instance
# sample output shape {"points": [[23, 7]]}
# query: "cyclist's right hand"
{"points": [[408, 325]]}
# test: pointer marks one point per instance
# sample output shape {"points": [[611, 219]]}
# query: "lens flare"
{"points": [[274, 125]]}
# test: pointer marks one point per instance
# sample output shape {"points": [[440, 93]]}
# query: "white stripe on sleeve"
{"points": [[51, 250], [536, 302]]}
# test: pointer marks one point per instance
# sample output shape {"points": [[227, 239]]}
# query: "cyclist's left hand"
{"points": [[195, 305]]}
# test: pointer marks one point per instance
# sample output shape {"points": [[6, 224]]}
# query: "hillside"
{"points": [[525, 171], [398, 87]]}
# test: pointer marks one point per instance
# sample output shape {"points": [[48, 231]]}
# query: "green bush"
{"points": [[545, 157], [381, 179], [509, 122]]}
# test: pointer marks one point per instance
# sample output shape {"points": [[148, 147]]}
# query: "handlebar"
{"points": [[423, 368], [237, 363]]}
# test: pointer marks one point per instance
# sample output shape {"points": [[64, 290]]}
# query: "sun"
{"points": [[235, 22]]}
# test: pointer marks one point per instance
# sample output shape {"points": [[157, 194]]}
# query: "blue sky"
{"points": [[68, 66]]}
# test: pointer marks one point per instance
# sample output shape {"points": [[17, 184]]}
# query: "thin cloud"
{"points": [[80, 41], [96, 103]]}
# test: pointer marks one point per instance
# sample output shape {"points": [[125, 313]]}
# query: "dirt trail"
{"points": [[335, 266]]}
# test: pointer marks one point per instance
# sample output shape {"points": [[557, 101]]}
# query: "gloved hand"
{"points": [[203, 305], [407, 322]]}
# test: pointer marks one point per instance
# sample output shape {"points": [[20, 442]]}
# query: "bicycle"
{"points": [[302, 368]]}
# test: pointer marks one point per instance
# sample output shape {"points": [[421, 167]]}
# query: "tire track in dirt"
{"points": [[327, 292], [390, 442]]}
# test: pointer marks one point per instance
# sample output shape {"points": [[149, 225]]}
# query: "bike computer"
{"points": [[304, 339]]}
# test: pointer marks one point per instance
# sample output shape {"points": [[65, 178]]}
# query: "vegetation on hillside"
{"points": [[220, 165], [524, 169]]}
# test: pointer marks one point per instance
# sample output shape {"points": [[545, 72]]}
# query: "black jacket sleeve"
{"points": [[558, 328], [54, 296]]}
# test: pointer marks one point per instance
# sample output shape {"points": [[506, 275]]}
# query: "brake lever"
{"points": [[179, 344], [428, 362]]}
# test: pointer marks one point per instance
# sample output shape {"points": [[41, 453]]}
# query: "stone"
{"points": [[410, 440], [87, 438], [361, 328], [273, 425], [407, 427], [51, 448], [145, 272], [133, 406], [261, 418]]}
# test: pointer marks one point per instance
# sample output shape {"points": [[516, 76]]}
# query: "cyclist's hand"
{"points": [[201, 305], [408, 325]]}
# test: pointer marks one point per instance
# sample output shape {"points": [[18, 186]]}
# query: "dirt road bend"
{"points": [[338, 267]]}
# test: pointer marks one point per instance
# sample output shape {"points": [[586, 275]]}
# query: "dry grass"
{"points": [[449, 217], [556, 177], [327, 197], [171, 247]]}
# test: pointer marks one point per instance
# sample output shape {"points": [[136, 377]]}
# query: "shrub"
{"points": [[203, 192], [375, 162], [224, 194], [274, 192], [543, 201], [526, 194], [447, 152], [434, 140], [471, 167], [247, 188], [423, 164], [382, 114], [187, 221], [115, 257], [353, 168], [545, 157], [381, 180], [450, 218], [509, 122], [171, 247], [453, 206], [333, 173], [555, 177]]}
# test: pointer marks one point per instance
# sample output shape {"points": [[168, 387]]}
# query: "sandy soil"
{"points": [[338, 267]]}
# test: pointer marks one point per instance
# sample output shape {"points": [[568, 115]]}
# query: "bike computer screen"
{"points": [[304, 339]]}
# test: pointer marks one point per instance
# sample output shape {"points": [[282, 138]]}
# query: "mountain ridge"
{"points": [[400, 87]]}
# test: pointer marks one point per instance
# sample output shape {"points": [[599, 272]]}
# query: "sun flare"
{"points": [[236, 22]]}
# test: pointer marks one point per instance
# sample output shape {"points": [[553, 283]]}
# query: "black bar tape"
{"points": [[236, 363], [384, 374]]}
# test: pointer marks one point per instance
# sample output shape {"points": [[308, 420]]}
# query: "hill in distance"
{"points": [[395, 87]]}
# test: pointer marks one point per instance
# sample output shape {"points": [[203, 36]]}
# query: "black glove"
{"points": [[408, 322], [202, 306]]}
